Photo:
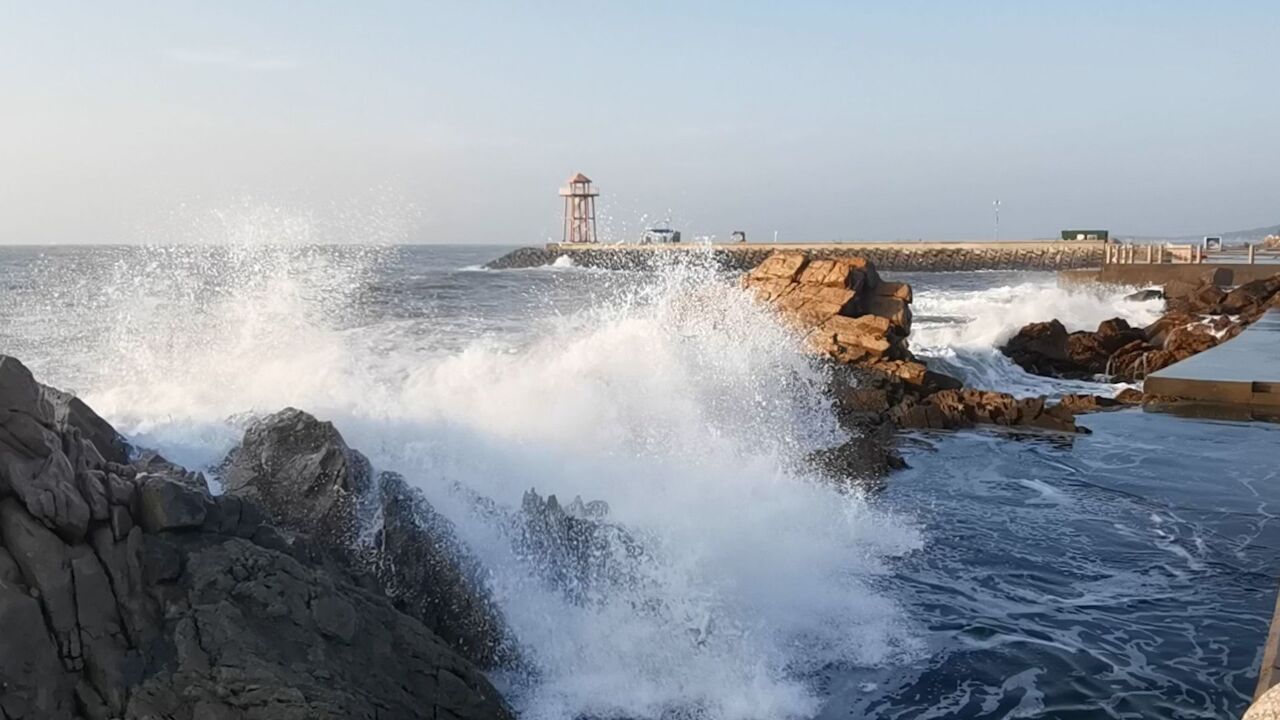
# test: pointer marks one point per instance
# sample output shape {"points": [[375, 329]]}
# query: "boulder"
{"points": [[1115, 333], [1145, 295], [309, 481], [851, 315], [1251, 296], [1202, 298], [57, 409], [1040, 348], [167, 505], [192, 612]]}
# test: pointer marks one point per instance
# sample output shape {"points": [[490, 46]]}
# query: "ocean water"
{"points": [[1126, 573]]}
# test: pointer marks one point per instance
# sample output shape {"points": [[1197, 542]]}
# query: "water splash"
{"points": [[674, 399], [960, 330]]}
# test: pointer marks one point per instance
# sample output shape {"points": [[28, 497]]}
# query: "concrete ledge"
{"points": [[1148, 275], [1240, 371]]}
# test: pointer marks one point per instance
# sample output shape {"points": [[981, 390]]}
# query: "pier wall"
{"points": [[907, 256]]}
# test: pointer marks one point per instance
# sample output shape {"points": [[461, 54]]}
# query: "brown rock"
{"points": [[780, 265], [1129, 396], [950, 409], [1249, 296], [1115, 333], [854, 338], [1158, 331], [897, 311], [901, 291], [1189, 340], [1202, 298], [833, 273]]}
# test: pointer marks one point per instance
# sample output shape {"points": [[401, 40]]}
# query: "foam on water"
{"points": [[677, 401], [961, 330]]}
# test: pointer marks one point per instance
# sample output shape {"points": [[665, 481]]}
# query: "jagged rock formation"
{"points": [[851, 315], [128, 591], [309, 481], [1199, 316], [576, 550]]}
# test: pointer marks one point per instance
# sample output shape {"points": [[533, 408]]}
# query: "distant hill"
{"points": [[1231, 238]]}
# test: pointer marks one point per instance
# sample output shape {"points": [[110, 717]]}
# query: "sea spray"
{"points": [[672, 397], [959, 331]]}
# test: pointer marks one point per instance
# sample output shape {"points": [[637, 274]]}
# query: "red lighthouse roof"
{"points": [[579, 178]]}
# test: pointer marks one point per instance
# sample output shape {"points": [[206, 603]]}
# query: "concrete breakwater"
{"points": [[902, 256]]}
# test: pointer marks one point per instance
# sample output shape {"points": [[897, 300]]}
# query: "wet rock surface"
{"points": [[862, 322], [310, 482], [128, 591], [1198, 316]]}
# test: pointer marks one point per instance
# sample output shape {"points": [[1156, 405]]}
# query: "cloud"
{"points": [[229, 58]]}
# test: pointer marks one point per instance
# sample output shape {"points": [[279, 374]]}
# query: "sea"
{"points": [[1126, 573]]}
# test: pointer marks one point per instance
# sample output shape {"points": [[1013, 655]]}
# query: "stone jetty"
{"points": [[890, 256]]}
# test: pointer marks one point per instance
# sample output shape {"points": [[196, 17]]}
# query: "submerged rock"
{"points": [[576, 550], [127, 591]]}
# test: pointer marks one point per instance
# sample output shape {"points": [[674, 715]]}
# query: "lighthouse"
{"points": [[579, 210]]}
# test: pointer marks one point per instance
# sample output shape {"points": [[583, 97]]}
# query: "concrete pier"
{"points": [[1150, 275], [1242, 371], [892, 256]]}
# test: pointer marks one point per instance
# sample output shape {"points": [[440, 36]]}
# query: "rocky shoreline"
{"points": [[314, 586], [862, 323], [128, 590], [1198, 316]]}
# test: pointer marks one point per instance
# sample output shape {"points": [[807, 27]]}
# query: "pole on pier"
{"points": [[1250, 253], [996, 205]]}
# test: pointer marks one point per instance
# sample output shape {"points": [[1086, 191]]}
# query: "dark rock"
{"points": [[1250, 296], [57, 409], [576, 551], [179, 616], [32, 681], [34, 468], [45, 562], [1145, 295], [303, 474], [526, 257], [1115, 333], [1039, 348], [1203, 298], [168, 505], [309, 481], [862, 462]]}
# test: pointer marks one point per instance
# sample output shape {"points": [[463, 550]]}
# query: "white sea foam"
{"points": [[679, 403], [962, 329]]}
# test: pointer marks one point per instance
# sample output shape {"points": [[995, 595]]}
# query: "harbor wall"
{"points": [[906, 256]]}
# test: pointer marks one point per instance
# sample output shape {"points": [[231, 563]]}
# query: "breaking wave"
{"points": [[961, 330], [674, 399]]}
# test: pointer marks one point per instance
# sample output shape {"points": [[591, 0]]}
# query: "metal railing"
{"points": [[1169, 253]]}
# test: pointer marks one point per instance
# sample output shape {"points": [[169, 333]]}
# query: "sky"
{"points": [[458, 121]]}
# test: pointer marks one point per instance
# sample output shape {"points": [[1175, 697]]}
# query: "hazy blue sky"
{"points": [[821, 120]]}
